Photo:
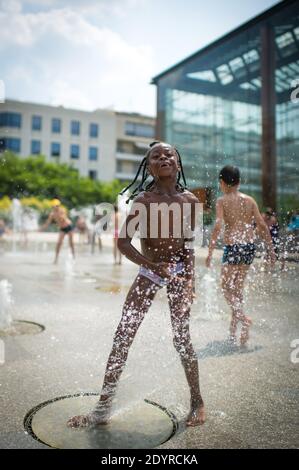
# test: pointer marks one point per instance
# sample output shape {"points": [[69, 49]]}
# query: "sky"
{"points": [[89, 54]]}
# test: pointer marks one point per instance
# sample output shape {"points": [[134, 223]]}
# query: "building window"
{"points": [[35, 147], [10, 143], [93, 153], [93, 130], [93, 174], [55, 149], [139, 130], [75, 151], [36, 123], [75, 127], [10, 120], [56, 125], [119, 166]]}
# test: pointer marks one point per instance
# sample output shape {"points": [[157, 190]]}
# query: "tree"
{"points": [[34, 176]]}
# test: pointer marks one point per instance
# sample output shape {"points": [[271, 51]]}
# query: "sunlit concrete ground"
{"points": [[251, 397]]}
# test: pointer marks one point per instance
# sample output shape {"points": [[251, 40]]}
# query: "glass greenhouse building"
{"points": [[236, 101]]}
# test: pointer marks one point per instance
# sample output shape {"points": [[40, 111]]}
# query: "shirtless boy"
{"points": [[59, 216], [238, 212]]}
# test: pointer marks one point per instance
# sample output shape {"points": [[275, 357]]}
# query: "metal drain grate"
{"points": [[22, 327], [148, 425]]}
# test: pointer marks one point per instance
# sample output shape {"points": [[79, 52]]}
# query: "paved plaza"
{"points": [[251, 395]]}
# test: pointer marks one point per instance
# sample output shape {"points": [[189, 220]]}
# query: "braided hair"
{"points": [[142, 186]]}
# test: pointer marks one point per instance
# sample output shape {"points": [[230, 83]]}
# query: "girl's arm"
{"points": [[216, 231], [188, 252]]}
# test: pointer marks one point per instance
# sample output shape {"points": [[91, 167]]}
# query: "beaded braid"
{"points": [[145, 174]]}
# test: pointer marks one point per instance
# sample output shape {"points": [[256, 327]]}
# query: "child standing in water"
{"points": [[164, 261], [59, 216], [238, 212]]}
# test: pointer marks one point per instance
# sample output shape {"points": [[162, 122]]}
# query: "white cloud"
{"points": [[73, 62], [10, 6], [71, 97]]}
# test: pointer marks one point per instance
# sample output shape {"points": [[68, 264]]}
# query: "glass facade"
{"points": [[230, 103]]}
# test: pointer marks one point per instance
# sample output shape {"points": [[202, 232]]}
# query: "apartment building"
{"points": [[102, 144]]}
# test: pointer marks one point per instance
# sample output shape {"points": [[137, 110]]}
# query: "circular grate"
{"points": [[22, 327], [143, 426]]}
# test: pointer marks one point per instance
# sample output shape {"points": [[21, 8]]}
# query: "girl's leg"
{"points": [[179, 299], [138, 301], [58, 245]]}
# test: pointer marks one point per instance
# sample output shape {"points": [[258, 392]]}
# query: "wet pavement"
{"points": [[251, 395]]}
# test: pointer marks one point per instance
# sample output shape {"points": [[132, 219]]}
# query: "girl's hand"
{"points": [[189, 293], [162, 269]]}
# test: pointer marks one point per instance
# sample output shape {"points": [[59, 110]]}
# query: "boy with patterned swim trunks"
{"points": [[238, 212]]}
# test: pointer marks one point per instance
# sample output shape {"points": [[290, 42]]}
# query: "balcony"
{"points": [[129, 157], [125, 176]]}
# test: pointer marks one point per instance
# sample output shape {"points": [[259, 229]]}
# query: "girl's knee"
{"points": [[183, 346]]}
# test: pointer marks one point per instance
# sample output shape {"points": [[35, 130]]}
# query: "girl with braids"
{"points": [[164, 261]]}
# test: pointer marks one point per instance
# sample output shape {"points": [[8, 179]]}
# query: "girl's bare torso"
{"points": [[160, 240]]}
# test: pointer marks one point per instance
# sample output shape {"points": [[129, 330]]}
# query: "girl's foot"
{"points": [[197, 415], [98, 417], [82, 421], [244, 337]]}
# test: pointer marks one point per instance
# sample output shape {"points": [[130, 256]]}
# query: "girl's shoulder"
{"points": [[143, 196]]}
